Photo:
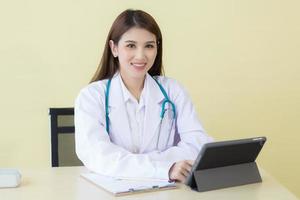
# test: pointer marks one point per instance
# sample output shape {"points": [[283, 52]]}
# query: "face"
{"points": [[136, 51]]}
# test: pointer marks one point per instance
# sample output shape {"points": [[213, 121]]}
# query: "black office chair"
{"points": [[62, 137]]}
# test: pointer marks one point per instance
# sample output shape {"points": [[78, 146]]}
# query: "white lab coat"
{"points": [[110, 154]]}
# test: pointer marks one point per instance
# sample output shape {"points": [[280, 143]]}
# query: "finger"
{"points": [[180, 177], [175, 172], [190, 162], [185, 172], [186, 166], [185, 169]]}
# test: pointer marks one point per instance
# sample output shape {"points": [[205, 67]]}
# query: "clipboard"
{"points": [[121, 186]]}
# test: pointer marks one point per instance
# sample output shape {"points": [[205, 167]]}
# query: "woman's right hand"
{"points": [[180, 170]]}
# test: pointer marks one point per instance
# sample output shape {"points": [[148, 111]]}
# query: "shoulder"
{"points": [[173, 87], [93, 92], [168, 82]]}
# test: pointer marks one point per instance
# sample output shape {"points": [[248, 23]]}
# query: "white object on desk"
{"points": [[9, 178], [119, 187]]}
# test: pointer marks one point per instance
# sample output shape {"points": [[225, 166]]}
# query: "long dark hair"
{"points": [[109, 65]]}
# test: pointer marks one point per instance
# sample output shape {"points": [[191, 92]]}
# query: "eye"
{"points": [[149, 46], [130, 45]]}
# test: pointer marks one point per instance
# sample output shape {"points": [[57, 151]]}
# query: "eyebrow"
{"points": [[132, 41]]}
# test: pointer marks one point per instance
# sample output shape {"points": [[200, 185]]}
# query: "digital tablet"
{"points": [[226, 153]]}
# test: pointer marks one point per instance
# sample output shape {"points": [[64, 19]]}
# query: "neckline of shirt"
{"points": [[127, 96]]}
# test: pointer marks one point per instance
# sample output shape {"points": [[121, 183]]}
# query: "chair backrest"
{"points": [[62, 137]]}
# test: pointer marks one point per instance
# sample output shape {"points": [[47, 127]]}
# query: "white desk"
{"points": [[65, 183]]}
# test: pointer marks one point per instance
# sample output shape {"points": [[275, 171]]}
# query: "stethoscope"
{"points": [[162, 113]]}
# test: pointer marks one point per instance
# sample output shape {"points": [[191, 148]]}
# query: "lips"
{"points": [[138, 64]]}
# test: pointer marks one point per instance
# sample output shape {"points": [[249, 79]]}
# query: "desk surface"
{"points": [[65, 183]]}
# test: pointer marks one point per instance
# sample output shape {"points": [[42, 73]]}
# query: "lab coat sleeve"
{"points": [[192, 135], [98, 153]]}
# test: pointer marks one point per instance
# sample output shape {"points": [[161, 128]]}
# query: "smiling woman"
{"points": [[130, 19], [136, 52], [131, 121]]}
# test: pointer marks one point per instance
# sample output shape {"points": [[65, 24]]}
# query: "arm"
{"points": [[190, 130]]}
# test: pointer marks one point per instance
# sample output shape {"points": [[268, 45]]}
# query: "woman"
{"points": [[130, 121]]}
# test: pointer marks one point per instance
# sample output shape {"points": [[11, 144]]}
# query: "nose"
{"points": [[140, 54]]}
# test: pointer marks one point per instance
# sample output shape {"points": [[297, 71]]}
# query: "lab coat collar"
{"points": [[117, 113], [152, 113], [115, 93], [153, 90], [116, 98], [126, 94]]}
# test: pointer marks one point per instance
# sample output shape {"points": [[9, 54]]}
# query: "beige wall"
{"points": [[239, 61]]}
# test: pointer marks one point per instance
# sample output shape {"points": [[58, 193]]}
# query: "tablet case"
{"points": [[225, 171]]}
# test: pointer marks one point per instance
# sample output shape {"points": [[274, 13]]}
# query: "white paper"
{"points": [[117, 185]]}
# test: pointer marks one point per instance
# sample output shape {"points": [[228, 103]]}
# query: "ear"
{"points": [[113, 48]]}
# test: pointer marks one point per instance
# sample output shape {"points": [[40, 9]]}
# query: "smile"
{"points": [[139, 66]]}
